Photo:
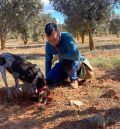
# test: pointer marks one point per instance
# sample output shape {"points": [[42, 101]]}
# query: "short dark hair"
{"points": [[50, 27]]}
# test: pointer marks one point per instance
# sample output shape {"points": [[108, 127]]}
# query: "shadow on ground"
{"points": [[102, 47], [31, 56], [22, 101], [10, 112], [27, 46], [99, 121], [112, 74]]}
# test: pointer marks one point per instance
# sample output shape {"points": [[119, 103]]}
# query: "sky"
{"points": [[117, 11], [48, 8]]}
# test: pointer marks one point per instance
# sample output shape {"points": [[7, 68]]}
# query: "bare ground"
{"points": [[101, 95]]}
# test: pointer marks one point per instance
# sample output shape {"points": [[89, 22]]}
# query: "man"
{"points": [[63, 45]]}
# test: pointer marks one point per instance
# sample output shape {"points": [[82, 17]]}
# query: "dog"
{"points": [[27, 72]]}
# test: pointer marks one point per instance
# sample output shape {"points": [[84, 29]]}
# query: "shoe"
{"points": [[74, 84]]}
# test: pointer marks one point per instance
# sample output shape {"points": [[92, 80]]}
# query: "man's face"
{"points": [[53, 38]]}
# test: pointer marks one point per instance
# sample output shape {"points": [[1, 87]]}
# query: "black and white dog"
{"points": [[25, 71]]}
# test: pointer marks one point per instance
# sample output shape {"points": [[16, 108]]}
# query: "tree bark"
{"points": [[2, 38], [25, 40], [91, 43], [118, 34], [24, 37], [82, 37], [42, 37]]}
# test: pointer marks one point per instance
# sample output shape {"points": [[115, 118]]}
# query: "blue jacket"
{"points": [[67, 49]]}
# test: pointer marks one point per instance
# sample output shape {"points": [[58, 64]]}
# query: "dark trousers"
{"points": [[62, 70]]}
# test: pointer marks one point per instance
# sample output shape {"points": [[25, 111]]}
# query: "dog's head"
{"points": [[41, 89]]}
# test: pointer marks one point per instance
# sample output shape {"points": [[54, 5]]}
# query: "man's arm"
{"points": [[48, 59], [72, 52]]}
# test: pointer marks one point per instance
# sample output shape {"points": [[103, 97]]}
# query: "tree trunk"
{"points": [[82, 35], [17, 36], [118, 34], [24, 37], [2, 38], [42, 37], [91, 43], [25, 40], [77, 38], [106, 31], [83, 38]]}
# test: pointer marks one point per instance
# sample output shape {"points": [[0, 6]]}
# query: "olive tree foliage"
{"points": [[16, 15], [85, 15], [38, 25], [76, 30], [115, 26]]}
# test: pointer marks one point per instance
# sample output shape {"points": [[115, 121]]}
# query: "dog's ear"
{"points": [[2, 61]]}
